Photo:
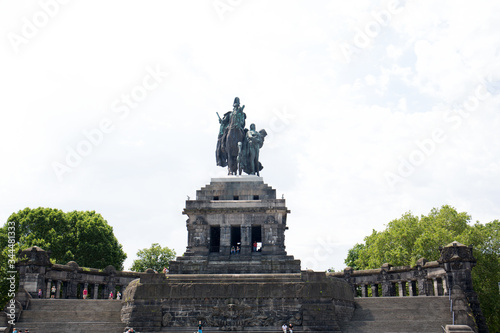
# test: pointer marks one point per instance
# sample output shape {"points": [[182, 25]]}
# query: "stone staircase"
{"points": [[424, 314], [72, 316]]}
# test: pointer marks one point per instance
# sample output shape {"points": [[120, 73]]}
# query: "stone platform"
{"points": [[311, 301]]}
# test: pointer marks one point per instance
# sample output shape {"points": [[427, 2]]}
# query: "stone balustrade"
{"points": [[425, 279], [36, 273], [452, 272]]}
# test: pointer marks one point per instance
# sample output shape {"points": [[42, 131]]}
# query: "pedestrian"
{"points": [[52, 292], [85, 293], [200, 327], [118, 295], [39, 293], [15, 330], [254, 246], [110, 295], [284, 328], [290, 327]]}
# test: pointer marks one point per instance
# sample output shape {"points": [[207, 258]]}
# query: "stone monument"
{"points": [[236, 274], [236, 225]]}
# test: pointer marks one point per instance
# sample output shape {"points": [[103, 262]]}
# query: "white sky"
{"points": [[363, 104]]}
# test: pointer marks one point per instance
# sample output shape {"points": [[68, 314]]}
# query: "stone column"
{"points": [[422, 287], [364, 290], [445, 286], [387, 289], [225, 239], [412, 291], [436, 286], [96, 291], [246, 239], [49, 285], [402, 288], [374, 290], [58, 289]]}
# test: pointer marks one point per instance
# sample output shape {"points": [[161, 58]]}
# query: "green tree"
{"points": [[409, 238], [155, 258], [84, 237]]}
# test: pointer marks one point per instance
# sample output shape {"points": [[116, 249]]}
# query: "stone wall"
{"points": [[309, 300]]}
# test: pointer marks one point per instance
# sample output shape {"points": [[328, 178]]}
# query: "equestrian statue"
{"points": [[238, 147]]}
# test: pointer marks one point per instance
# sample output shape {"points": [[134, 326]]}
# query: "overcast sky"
{"points": [[373, 109]]}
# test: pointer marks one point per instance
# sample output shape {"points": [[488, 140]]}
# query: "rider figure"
{"points": [[239, 114], [239, 121]]}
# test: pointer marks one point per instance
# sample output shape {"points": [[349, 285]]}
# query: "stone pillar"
{"points": [[387, 289], [446, 292], [423, 289], [458, 261], [58, 289], [436, 286], [374, 290], [412, 288], [402, 288], [49, 285], [225, 239], [96, 291], [364, 290], [246, 239]]}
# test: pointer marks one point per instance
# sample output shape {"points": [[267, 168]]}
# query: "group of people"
{"points": [[287, 328], [235, 250], [118, 295], [20, 331]]}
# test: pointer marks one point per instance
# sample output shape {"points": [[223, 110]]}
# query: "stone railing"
{"points": [[68, 281], [425, 279], [450, 276]]}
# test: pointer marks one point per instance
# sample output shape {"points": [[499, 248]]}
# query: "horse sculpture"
{"points": [[234, 135]]}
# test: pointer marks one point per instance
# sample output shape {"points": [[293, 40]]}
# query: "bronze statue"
{"points": [[237, 147]]}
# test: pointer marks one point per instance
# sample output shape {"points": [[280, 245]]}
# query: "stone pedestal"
{"points": [[228, 216]]}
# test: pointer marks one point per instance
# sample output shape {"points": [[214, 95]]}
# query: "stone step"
{"points": [[402, 326], [72, 327], [70, 316], [399, 314], [75, 304]]}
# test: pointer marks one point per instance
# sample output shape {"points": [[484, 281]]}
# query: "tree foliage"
{"points": [[409, 238], [155, 258], [84, 237]]}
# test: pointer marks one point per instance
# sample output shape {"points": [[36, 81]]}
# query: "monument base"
{"points": [[310, 301]]}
